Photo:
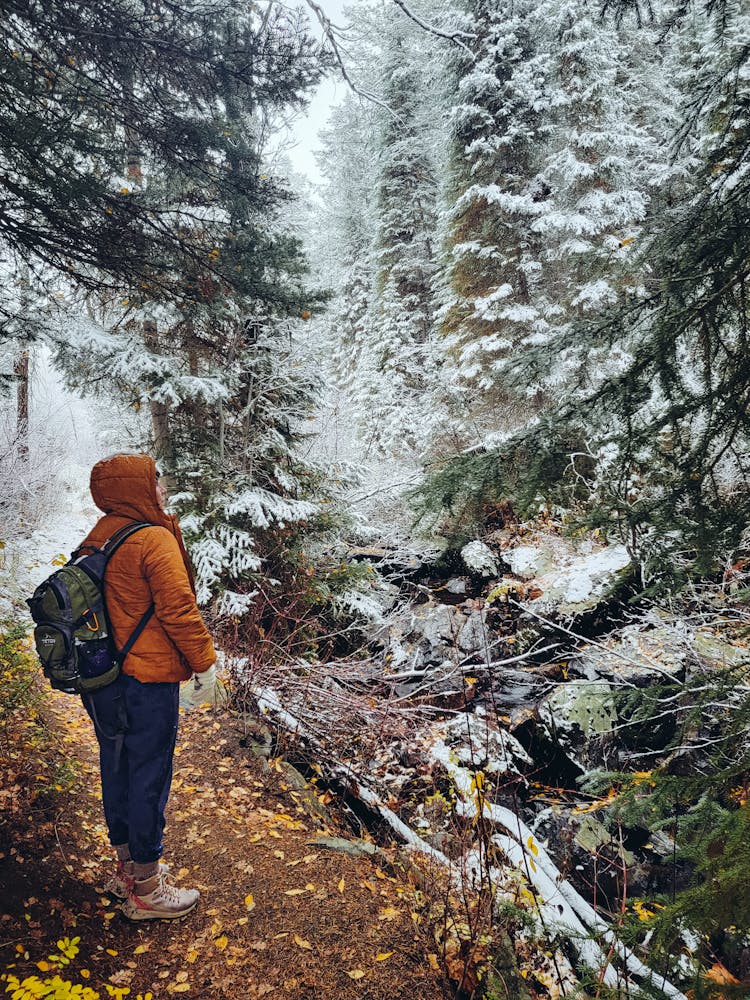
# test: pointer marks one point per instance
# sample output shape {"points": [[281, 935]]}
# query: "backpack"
{"points": [[72, 634]]}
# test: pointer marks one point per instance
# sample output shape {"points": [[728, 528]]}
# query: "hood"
{"points": [[126, 485]]}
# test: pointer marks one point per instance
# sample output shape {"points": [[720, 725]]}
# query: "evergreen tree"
{"points": [[401, 352], [493, 267]]}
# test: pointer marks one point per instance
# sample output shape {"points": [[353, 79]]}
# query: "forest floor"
{"points": [[281, 915]]}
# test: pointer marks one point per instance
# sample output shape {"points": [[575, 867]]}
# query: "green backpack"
{"points": [[72, 634]]}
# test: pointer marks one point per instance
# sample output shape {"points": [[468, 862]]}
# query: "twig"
{"points": [[450, 36]]}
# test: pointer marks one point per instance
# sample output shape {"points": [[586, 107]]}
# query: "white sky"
{"points": [[304, 132]]}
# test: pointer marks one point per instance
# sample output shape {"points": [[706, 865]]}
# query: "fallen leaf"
{"points": [[341, 885], [142, 948], [434, 962], [301, 943], [383, 956], [356, 974], [191, 956], [221, 942], [719, 974], [249, 902], [388, 913]]}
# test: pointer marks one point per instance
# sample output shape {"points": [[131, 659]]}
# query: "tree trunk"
{"points": [[21, 371], [159, 411]]}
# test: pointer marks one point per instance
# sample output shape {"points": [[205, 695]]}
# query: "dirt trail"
{"points": [[280, 915]]}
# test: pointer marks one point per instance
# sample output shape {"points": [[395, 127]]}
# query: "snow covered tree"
{"points": [[656, 444], [493, 256], [402, 354]]}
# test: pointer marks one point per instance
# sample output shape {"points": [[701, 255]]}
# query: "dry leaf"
{"points": [[221, 942], [356, 974], [142, 948], [191, 956], [719, 974], [341, 885], [249, 901], [294, 892], [434, 962], [301, 943], [388, 913], [383, 956], [181, 977]]}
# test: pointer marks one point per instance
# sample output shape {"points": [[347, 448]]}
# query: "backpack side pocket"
{"points": [[56, 650]]}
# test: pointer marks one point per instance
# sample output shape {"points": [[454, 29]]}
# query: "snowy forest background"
{"points": [[507, 334]]}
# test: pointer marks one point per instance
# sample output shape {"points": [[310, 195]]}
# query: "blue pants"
{"points": [[136, 726]]}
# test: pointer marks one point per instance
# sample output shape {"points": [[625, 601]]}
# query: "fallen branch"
{"points": [[574, 914], [560, 905]]}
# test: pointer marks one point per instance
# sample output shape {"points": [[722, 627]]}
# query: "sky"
{"points": [[304, 132]]}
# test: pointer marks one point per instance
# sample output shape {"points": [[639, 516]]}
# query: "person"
{"points": [[135, 717]]}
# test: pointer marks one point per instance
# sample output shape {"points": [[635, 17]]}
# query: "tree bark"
{"points": [[21, 372]]}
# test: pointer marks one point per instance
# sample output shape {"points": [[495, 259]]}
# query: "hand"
{"points": [[201, 689]]}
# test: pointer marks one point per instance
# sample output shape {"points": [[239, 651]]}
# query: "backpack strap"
{"points": [[109, 548]]}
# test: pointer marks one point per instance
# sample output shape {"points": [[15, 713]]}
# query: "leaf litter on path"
{"points": [[275, 918]]}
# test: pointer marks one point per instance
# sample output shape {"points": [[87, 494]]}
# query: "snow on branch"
{"points": [[330, 32], [451, 36]]}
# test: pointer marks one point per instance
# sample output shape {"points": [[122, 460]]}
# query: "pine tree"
{"points": [[401, 351], [492, 255]]}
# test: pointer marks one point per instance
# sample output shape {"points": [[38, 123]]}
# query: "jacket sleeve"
{"points": [[174, 602]]}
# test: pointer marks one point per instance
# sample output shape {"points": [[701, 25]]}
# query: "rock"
{"points": [[477, 743], [718, 652], [530, 561], [577, 717], [456, 586], [353, 847], [474, 636], [637, 655], [479, 559], [581, 584]]}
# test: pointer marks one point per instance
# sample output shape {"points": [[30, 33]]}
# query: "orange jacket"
{"points": [[151, 565]]}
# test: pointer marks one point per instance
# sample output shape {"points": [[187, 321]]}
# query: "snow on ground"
{"points": [[46, 505]]}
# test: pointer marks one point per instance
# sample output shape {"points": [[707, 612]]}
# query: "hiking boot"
{"points": [[156, 898], [121, 883]]}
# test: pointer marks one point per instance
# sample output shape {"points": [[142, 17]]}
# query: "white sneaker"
{"points": [[156, 898], [121, 883]]}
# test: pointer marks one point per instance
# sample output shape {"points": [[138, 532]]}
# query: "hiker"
{"points": [[136, 716]]}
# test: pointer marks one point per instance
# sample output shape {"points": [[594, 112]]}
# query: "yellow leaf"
{"points": [[109, 916], [383, 956], [142, 948], [84, 973], [294, 892], [191, 956], [221, 942], [242, 921], [356, 974], [532, 846], [342, 885], [434, 962], [179, 988], [249, 901], [111, 951], [301, 943], [388, 913], [43, 966], [181, 977]]}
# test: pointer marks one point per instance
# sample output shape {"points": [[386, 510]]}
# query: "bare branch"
{"points": [[329, 31]]}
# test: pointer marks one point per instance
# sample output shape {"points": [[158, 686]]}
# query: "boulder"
{"points": [[479, 559], [580, 585]]}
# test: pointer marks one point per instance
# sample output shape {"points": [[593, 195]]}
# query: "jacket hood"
{"points": [[125, 485]]}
